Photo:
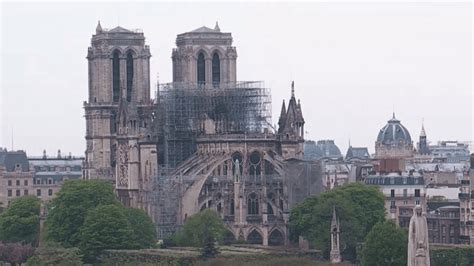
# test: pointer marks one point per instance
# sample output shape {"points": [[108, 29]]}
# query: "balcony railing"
{"points": [[254, 218]]}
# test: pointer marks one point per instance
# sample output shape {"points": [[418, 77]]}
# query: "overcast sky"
{"points": [[352, 63]]}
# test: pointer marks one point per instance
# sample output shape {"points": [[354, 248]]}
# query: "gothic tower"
{"points": [[204, 57], [335, 244], [119, 111]]}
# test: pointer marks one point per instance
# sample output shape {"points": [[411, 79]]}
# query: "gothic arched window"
{"points": [[129, 76], [252, 204], [116, 76], [216, 70], [201, 69]]}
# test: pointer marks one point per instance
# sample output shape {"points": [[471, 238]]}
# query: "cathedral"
{"points": [[205, 141]]}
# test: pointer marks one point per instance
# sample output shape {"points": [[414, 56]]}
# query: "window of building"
{"points": [[392, 193], [405, 202], [50, 192], [9, 183], [115, 76], [392, 203], [38, 192], [25, 192], [417, 202], [18, 182], [216, 70], [232, 207], [9, 193], [417, 193], [405, 192], [25, 182], [201, 69], [129, 76], [50, 181], [252, 204], [18, 193]]}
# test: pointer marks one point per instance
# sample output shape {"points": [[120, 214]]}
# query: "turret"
{"points": [[423, 144]]}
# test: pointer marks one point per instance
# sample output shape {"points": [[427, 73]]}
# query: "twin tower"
{"points": [[120, 113]]}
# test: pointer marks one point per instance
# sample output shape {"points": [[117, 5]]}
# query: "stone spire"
{"points": [[98, 29], [423, 133], [282, 120], [293, 89], [423, 147], [292, 123], [335, 254], [216, 28]]}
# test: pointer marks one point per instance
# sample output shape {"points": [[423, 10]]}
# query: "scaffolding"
{"points": [[188, 110]]}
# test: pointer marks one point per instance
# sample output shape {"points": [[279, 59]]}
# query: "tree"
{"points": [[68, 209], [105, 227], [20, 222], [144, 233], [209, 249], [358, 208], [15, 253], [386, 244], [199, 227]]}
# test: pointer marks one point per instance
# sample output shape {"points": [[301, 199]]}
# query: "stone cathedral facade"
{"points": [[119, 115], [232, 160]]}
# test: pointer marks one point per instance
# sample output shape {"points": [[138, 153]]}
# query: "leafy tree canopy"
{"points": [[68, 209], [201, 227], [15, 253], [20, 222], [105, 227], [358, 208], [386, 244], [144, 233]]}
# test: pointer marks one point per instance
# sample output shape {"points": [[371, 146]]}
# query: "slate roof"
{"points": [[9, 159], [394, 180], [321, 148], [357, 152]]}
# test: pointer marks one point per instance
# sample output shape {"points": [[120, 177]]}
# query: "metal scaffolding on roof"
{"points": [[188, 110]]}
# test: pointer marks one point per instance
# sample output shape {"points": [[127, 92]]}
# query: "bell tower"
{"points": [[204, 57], [119, 112]]}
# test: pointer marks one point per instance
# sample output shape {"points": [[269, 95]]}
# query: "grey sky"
{"points": [[352, 63]]}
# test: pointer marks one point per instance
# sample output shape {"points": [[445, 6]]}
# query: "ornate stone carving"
{"points": [[123, 165]]}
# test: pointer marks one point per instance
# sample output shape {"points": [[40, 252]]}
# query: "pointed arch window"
{"points": [[116, 76], [252, 204], [129, 76], [216, 70], [201, 69]]}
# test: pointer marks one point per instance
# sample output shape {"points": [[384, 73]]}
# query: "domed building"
{"points": [[393, 141]]}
